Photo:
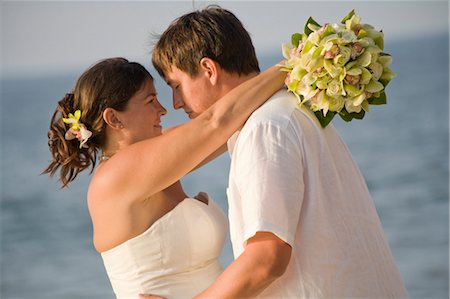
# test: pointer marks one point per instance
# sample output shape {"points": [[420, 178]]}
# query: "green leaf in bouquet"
{"points": [[385, 82], [380, 100], [295, 39], [346, 116], [359, 115], [324, 120], [310, 20], [348, 16]]}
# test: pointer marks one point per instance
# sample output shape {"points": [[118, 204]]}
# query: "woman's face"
{"points": [[141, 118]]}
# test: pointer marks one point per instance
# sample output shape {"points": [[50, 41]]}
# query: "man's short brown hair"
{"points": [[214, 33]]}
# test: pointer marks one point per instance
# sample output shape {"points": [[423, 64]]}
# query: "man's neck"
{"points": [[233, 80], [230, 81]]}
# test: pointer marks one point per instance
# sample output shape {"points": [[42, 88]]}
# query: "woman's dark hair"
{"points": [[109, 83]]}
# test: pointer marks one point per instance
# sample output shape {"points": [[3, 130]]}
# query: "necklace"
{"points": [[104, 158]]}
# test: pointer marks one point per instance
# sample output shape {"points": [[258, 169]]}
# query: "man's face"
{"points": [[194, 95]]}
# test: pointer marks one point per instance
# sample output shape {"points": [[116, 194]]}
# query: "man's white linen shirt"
{"points": [[290, 177]]}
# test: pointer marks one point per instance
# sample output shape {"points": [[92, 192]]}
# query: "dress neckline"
{"points": [[158, 221]]}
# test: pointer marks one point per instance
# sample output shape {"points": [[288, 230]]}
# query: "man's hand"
{"points": [[148, 296]]}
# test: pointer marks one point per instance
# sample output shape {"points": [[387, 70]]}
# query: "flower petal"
{"points": [[374, 86], [77, 114]]}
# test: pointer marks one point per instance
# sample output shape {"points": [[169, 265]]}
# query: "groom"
{"points": [[302, 222]]}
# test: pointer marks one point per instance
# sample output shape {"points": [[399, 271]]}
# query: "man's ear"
{"points": [[211, 69], [111, 119]]}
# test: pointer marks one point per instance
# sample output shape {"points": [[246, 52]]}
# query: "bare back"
{"points": [[116, 220]]}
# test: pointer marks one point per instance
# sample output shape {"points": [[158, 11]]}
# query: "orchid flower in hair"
{"points": [[77, 129]]}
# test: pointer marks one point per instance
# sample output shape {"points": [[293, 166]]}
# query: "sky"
{"points": [[51, 37]]}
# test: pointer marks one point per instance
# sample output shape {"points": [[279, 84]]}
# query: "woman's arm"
{"points": [[222, 149], [144, 168], [217, 153]]}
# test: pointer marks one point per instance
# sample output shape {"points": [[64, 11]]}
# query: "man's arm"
{"points": [[264, 259]]}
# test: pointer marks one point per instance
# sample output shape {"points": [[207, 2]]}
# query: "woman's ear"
{"points": [[111, 119], [211, 69]]}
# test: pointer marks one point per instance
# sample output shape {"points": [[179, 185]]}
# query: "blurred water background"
{"points": [[402, 149]]}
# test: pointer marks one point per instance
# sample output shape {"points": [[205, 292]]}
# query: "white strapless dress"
{"points": [[177, 257]]}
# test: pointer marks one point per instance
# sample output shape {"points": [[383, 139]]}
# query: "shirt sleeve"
{"points": [[269, 177]]}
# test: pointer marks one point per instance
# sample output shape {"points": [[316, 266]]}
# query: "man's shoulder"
{"points": [[282, 99], [280, 104], [283, 107], [276, 115]]}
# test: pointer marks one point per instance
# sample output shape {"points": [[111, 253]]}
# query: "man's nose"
{"points": [[177, 102]]}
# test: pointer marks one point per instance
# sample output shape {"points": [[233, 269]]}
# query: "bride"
{"points": [[153, 238]]}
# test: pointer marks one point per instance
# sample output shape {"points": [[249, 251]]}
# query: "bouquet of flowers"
{"points": [[338, 68]]}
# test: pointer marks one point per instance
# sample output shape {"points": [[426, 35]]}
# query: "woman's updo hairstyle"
{"points": [[109, 83]]}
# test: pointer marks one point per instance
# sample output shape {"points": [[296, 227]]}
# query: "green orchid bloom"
{"points": [[385, 59], [376, 36], [320, 103], [351, 107], [333, 70], [309, 79], [376, 69], [286, 49], [374, 86], [366, 76], [298, 72], [322, 82], [348, 37], [343, 57], [387, 75], [353, 90], [292, 85], [306, 91]]}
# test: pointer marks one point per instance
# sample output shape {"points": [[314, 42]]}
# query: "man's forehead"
{"points": [[173, 74], [168, 75]]}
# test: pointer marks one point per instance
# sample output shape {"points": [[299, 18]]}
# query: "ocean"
{"points": [[402, 149]]}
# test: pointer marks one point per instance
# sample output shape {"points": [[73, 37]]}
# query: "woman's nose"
{"points": [[162, 110]]}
